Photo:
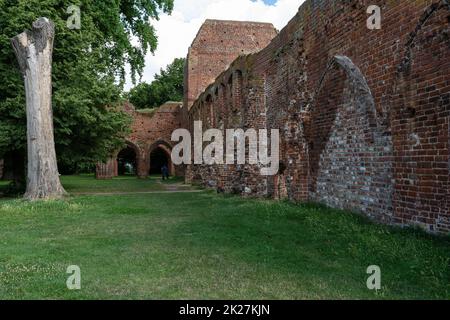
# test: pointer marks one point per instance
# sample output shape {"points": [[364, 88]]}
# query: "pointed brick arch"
{"points": [[358, 83], [340, 74], [413, 36], [133, 146], [345, 145], [236, 98], [138, 152], [209, 112], [167, 148], [110, 169]]}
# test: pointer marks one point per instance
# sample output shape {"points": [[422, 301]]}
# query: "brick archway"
{"points": [[342, 82], [149, 129], [110, 168], [138, 157], [166, 149], [345, 143]]}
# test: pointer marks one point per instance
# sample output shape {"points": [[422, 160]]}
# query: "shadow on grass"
{"points": [[314, 251]]}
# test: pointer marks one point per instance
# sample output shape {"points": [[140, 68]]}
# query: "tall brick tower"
{"points": [[217, 44]]}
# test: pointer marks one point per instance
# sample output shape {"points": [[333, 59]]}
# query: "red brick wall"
{"points": [[363, 114], [150, 130], [216, 45], [420, 125]]}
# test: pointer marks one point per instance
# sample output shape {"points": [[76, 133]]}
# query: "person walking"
{"points": [[165, 172]]}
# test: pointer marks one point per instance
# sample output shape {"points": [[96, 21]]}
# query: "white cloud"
{"points": [[177, 31]]}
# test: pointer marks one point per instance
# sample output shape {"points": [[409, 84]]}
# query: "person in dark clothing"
{"points": [[165, 172]]}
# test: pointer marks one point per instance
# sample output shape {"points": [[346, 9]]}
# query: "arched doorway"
{"points": [[126, 162], [158, 158]]}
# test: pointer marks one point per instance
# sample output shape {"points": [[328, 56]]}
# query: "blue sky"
{"points": [[270, 2]]}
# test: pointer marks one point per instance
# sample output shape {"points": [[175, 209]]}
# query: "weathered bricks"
{"points": [[364, 115], [150, 130]]}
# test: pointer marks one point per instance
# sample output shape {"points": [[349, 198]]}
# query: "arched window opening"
{"points": [[209, 110], [159, 158], [127, 163]]}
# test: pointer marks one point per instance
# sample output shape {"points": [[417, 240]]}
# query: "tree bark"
{"points": [[34, 51]]}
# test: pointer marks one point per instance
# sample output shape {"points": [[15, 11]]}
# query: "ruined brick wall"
{"points": [[216, 45], [364, 115], [150, 129]]}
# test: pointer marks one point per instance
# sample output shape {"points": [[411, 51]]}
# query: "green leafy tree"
{"points": [[88, 73], [167, 86]]}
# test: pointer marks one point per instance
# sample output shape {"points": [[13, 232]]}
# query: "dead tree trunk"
{"points": [[34, 51]]}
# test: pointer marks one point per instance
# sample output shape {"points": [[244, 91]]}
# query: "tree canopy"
{"points": [[167, 86], [88, 71]]}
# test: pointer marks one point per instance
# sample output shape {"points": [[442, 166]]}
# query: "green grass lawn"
{"points": [[87, 183], [207, 246]]}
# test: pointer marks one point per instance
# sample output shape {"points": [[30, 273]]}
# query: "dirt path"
{"points": [[131, 193], [169, 188]]}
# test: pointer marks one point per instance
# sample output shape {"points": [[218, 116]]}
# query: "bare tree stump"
{"points": [[34, 51]]}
